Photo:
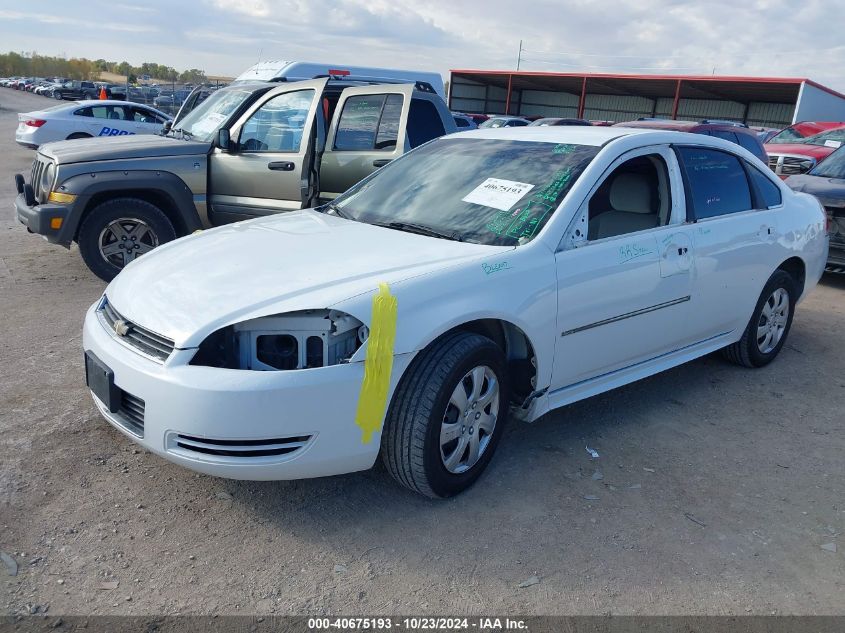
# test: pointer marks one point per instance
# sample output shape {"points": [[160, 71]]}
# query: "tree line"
{"points": [[35, 65]]}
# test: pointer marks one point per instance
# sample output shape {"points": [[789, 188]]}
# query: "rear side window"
{"points": [[369, 122], [424, 122], [767, 191], [723, 134], [751, 144], [717, 182], [84, 112]]}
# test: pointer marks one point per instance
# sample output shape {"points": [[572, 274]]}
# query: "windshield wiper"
{"points": [[335, 210], [182, 133], [421, 229]]}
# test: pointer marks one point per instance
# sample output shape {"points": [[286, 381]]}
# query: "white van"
{"points": [[299, 71]]}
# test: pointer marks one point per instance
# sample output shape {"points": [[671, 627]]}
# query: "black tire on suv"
{"points": [[117, 231]]}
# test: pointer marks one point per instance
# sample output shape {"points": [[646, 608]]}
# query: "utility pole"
{"points": [[519, 57]]}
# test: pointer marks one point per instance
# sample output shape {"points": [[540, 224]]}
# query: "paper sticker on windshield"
{"points": [[497, 193], [833, 144]]}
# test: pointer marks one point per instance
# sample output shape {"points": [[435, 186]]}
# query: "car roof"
{"points": [[598, 136], [577, 134], [94, 102]]}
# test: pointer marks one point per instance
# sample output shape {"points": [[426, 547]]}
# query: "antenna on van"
{"points": [[260, 50]]}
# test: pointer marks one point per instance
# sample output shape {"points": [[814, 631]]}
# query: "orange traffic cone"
{"points": [[103, 96]]}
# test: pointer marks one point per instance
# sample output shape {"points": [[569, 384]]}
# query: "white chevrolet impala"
{"points": [[487, 275]]}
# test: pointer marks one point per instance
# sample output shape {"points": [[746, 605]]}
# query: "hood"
{"points": [[121, 147], [799, 149], [293, 261], [829, 191]]}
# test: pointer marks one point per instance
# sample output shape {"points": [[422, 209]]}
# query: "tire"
{"points": [[770, 323], [116, 222], [78, 135], [57, 96], [412, 447]]}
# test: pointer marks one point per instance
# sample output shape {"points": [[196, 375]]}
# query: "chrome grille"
{"points": [[38, 167], [270, 447], [784, 165], [131, 413], [145, 341]]}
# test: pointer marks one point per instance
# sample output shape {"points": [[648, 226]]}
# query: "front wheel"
{"points": [[766, 332], [117, 232], [447, 415]]}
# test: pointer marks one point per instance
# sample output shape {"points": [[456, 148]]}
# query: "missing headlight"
{"points": [[296, 340]]}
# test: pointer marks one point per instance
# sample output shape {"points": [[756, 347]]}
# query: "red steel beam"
{"points": [[677, 100], [508, 98], [583, 98]]}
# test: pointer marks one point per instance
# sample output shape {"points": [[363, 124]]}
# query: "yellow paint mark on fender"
{"points": [[372, 401]]}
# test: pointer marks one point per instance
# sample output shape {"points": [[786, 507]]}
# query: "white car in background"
{"points": [[485, 275], [86, 119]]}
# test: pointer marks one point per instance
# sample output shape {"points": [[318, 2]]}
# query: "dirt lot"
{"points": [[717, 489]]}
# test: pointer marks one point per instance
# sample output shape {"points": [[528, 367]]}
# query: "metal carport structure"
{"points": [[764, 101]]}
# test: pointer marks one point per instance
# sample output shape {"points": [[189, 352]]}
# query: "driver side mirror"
{"points": [[224, 141], [166, 127]]}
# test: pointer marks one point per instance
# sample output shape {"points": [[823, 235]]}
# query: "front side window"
{"points": [[634, 197], [717, 182], [278, 125], [487, 191]]}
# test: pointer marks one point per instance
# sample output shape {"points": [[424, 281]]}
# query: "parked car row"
{"points": [[166, 99]]}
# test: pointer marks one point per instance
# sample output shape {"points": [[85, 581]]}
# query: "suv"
{"points": [[76, 90], [247, 150], [738, 133]]}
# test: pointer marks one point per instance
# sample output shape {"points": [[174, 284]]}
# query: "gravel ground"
{"points": [[718, 490]]}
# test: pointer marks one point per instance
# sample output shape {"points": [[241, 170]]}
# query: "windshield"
{"points": [[202, 123], [487, 191], [831, 138], [788, 135], [831, 167]]}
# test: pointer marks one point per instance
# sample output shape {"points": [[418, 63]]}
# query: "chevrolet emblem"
{"points": [[121, 327]]}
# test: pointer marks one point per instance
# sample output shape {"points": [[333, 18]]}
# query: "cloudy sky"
{"points": [[224, 37]]}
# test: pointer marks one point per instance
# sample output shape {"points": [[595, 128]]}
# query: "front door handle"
{"points": [[280, 165], [381, 162]]}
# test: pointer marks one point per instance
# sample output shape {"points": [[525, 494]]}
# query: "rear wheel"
{"points": [[447, 416], [118, 231], [769, 326], [78, 135]]}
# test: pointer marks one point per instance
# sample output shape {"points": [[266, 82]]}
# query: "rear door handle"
{"points": [[381, 162], [280, 165]]}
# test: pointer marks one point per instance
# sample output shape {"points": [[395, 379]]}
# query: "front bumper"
{"points": [[38, 218], [236, 408]]}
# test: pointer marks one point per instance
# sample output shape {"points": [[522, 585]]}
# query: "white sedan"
{"points": [[85, 119], [486, 275]]}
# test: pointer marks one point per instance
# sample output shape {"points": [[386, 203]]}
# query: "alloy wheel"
{"points": [[469, 420], [126, 239]]}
